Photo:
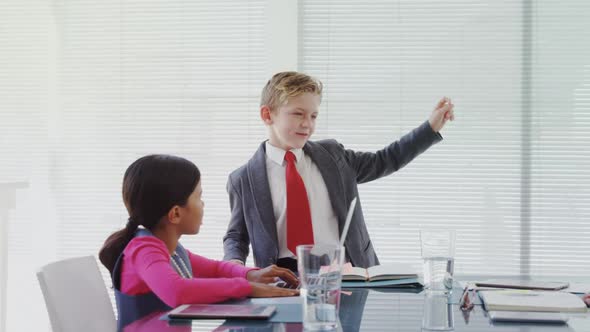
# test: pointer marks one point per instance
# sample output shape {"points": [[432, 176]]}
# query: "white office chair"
{"points": [[76, 297]]}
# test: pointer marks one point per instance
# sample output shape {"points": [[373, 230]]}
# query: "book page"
{"points": [[391, 271], [353, 273]]}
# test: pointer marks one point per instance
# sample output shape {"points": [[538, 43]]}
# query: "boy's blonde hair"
{"points": [[288, 84]]}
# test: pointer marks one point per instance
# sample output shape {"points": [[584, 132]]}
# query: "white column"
{"points": [[7, 202], [282, 31]]}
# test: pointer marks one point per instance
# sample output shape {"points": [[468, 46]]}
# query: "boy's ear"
{"points": [[174, 215], [265, 114]]}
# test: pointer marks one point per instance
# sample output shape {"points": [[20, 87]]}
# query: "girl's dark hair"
{"points": [[152, 185]]}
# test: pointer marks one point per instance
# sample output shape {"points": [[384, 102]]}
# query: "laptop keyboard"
{"points": [[283, 284], [310, 280]]}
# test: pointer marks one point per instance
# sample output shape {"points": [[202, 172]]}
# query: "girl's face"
{"points": [[192, 218]]}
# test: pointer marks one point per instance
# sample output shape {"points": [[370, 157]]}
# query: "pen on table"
{"points": [[464, 302], [461, 299]]}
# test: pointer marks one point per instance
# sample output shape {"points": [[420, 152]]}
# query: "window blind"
{"points": [[128, 78], [507, 175], [560, 141]]}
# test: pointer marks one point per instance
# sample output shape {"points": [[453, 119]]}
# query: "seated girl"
{"points": [[151, 271]]}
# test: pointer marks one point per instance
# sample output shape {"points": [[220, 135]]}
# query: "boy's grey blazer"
{"points": [[252, 216]]}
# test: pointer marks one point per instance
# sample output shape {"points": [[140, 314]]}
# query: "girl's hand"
{"points": [[264, 290], [442, 113], [271, 274]]}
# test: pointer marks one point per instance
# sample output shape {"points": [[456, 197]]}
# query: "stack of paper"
{"points": [[526, 300]]}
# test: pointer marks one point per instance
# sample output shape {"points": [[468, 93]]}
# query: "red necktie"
{"points": [[299, 229]]}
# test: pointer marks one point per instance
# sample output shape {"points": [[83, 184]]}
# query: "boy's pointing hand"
{"points": [[442, 113]]}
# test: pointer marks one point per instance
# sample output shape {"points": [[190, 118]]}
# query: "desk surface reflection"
{"points": [[375, 310]]}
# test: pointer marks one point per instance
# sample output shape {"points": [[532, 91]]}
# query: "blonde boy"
{"points": [[296, 191]]}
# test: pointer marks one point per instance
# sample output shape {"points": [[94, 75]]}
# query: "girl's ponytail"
{"points": [[116, 243]]}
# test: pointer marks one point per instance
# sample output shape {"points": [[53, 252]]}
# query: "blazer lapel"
{"points": [[331, 174], [261, 192]]}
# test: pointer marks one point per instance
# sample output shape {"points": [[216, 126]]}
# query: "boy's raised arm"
{"points": [[373, 165]]}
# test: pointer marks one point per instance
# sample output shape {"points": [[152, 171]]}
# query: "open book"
{"points": [[378, 272], [528, 300]]}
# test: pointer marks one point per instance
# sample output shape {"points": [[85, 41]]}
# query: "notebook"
{"points": [[378, 272], [522, 284], [222, 311], [529, 300]]}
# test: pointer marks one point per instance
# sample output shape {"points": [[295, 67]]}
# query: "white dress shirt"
{"points": [[323, 219]]}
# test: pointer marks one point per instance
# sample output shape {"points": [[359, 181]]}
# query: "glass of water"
{"points": [[438, 312], [321, 277], [438, 252]]}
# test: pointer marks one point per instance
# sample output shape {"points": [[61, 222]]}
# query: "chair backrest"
{"points": [[76, 297]]}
